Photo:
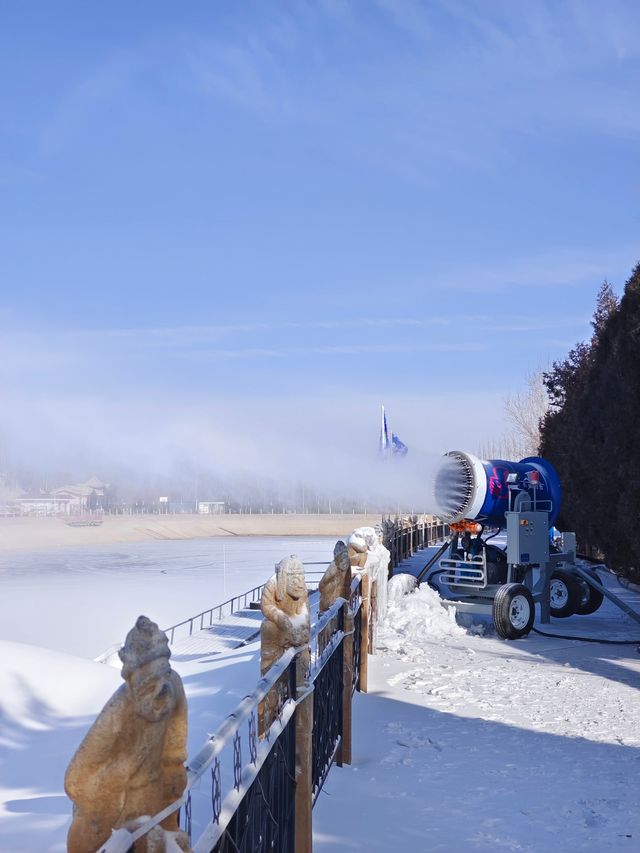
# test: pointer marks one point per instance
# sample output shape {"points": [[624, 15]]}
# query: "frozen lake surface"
{"points": [[83, 600]]}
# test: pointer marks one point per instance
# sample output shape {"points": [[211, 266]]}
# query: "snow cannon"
{"points": [[468, 488], [479, 574]]}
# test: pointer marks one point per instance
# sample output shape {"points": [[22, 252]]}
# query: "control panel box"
{"points": [[527, 537]]}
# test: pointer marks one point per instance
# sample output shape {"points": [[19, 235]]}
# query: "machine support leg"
{"points": [[545, 598], [601, 588]]}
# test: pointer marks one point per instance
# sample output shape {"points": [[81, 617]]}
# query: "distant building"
{"points": [[43, 504], [66, 500], [211, 507]]}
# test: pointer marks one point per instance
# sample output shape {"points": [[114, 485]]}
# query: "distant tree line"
{"points": [[591, 432]]}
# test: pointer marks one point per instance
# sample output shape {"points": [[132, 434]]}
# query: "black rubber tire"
{"points": [[568, 594], [509, 611], [590, 598]]}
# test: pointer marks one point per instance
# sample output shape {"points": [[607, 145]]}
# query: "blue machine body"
{"points": [[547, 492]]}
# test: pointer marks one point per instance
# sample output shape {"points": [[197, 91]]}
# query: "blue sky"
{"points": [[239, 206]]}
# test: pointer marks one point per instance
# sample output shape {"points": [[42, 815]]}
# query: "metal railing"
{"points": [[218, 612], [404, 536], [257, 811], [326, 734], [265, 817], [238, 728]]}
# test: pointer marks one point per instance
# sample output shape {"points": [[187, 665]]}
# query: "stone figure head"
{"points": [[145, 667], [290, 579], [341, 556], [370, 537]]}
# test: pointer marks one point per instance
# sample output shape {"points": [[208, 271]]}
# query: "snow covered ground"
{"points": [[464, 741], [468, 742]]}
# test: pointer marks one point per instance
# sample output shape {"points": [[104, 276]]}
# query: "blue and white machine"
{"points": [[481, 499]]}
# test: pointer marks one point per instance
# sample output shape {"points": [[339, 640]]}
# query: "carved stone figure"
{"points": [[131, 761], [376, 562], [336, 581], [285, 607], [286, 624]]}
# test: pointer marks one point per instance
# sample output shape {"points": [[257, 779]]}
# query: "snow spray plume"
{"points": [[260, 454]]}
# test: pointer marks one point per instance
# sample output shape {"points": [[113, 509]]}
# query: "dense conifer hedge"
{"points": [[592, 430]]}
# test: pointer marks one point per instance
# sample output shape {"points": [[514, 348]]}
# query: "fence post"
{"points": [[344, 752], [304, 781], [365, 592]]}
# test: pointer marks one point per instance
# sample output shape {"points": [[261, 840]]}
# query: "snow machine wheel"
{"points": [[513, 611], [566, 594], [590, 598]]}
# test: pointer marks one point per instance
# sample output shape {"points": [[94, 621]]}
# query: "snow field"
{"points": [[468, 742]]}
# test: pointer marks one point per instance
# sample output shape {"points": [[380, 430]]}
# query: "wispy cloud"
{"points": [[91, 96], [468, 83], [201, 339], [560, 268], [243, 353]]}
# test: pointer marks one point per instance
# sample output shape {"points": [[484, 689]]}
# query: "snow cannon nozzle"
{"points": [[481, 490]]}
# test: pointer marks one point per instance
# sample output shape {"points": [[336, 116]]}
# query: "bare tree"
{"points": [[525, 411], [523, 414]]}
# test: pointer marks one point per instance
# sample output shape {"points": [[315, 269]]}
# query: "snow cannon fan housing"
{"points": [[477, 489]]}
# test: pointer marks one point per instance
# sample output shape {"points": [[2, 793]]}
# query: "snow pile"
{"points": [[416, 619], [39, 685], [399, 586], [48, 700]]}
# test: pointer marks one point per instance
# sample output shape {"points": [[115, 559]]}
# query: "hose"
{"points": [[588, 639], [432, 575]]}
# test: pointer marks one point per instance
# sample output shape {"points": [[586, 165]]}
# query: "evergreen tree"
{"points": [[606, 307], [592, 432]]}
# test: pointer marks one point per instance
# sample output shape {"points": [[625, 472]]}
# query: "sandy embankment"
{"points": [[33, 533]]}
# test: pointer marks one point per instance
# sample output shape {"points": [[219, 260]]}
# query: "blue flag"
{"points": [[392, 446], [398, 448]]}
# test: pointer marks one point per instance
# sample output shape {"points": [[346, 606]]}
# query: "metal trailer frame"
{"points": [[467, 579]]}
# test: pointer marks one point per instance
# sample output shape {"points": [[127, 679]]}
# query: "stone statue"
{"points": [[286, 624], [336, 581], [131, 761], [376, 561], [285, 607]]}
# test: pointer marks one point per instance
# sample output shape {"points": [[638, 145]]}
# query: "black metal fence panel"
{"points": [[327, 716], [265, 818]]}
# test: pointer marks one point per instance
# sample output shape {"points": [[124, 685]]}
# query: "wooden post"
{"points": [[344, 751], [304, 784], [373, 611], [365, 592]]}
